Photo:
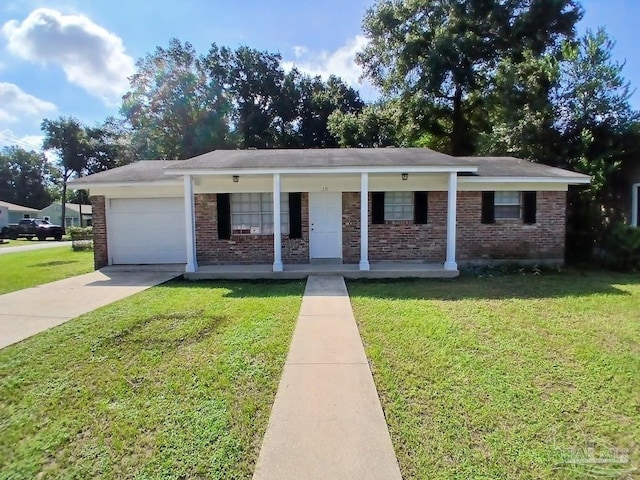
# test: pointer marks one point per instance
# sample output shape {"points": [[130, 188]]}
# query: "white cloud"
{"points": [[341, 62], [91, 57], [15, 104]]}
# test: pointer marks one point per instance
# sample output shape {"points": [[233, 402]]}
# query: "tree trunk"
{"points": [[80, 208], [457, 130]]}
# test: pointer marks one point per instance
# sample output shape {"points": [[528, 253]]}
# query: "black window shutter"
{"points": [[295, 215], [420, 207], [224, 216], [488, 207], [529, 207], [377, 207]]}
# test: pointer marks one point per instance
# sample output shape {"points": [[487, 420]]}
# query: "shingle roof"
{"points": [[142, 171], [13, 206], [320, 158], [74, 207], [517, 167], [156, 170]]}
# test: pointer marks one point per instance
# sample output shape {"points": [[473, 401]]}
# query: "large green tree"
{"points": [[375, 126], [25, 177], [182, 104], [318, 100], [79, 150], [594, 115], [439, 55], [175, 107], [600, 134]]}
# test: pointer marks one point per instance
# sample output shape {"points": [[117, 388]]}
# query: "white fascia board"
{"points": [[157, 183], [312, 171], [566, 180]]}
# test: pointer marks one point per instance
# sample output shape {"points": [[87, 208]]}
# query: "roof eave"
{"points": [[577, 180], [141, 183]]}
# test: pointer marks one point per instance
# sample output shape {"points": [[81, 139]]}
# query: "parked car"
{"points": [[34, 227]]}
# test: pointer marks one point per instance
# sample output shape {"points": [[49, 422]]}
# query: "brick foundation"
{"points": [[243, 249], [100, 250]]}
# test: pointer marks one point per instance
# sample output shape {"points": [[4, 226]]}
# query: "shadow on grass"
{"points": [[243, 288], [165, 332], [53, 263], [507, 286]]}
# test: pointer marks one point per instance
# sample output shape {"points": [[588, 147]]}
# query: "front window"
{"points": [[507, 204], [252, 213], [398, 206]]}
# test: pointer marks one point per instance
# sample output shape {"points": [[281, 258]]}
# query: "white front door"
{"points": [[325, 219]]}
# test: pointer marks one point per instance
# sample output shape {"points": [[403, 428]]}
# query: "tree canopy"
{"points": [[182, 104], [25, 177], [445, 52]]}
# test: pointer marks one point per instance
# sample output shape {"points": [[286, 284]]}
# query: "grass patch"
{"points": [[507, 377], [35, 267], [15, 243], [175, 382]]}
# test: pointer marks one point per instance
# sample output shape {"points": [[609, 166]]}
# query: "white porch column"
{"points": [[277, 229], [190, 225], [364, 221], [450, 262]]}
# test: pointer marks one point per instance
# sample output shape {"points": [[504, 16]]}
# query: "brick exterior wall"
{"points": [[100, 250], [511, 239], [396, 240], [243, 249], [392, 241], [351, 227]]}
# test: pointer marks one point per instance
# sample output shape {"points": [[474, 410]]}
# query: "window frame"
{"points": [[265, 208], [407, 215], [499, 206]]}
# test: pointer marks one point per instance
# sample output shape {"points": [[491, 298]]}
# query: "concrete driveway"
{"points": [[34, 246], [32, 310]]}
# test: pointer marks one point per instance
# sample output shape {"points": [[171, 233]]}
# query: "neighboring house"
{"points": [[18, 212], [356, 210], [53, 213]]}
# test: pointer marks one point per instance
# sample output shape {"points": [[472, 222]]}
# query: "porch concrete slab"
{"points": [[30, 311], [327, 421], [302, 271]]}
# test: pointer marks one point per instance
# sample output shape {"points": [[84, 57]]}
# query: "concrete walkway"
{"points": [[326, 421], [33, 245], [33, 310]]}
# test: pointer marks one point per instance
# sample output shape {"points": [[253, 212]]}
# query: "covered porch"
{"points": [[336, 223]]}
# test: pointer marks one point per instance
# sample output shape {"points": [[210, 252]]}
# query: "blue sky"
{"points": [[71, 57]]}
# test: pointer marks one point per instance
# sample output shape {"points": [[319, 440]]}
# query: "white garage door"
{"points": [[146, 231]]}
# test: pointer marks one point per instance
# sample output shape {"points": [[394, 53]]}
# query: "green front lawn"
{"points": [[20, 270], [175, 382], [507, 377]]}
